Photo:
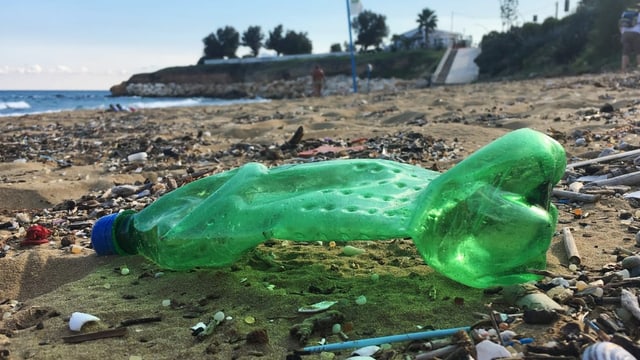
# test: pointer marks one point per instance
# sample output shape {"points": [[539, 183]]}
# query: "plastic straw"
{"points": [[385, 339]]}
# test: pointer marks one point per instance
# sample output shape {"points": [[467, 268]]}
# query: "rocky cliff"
{"points": [[275, 80]]}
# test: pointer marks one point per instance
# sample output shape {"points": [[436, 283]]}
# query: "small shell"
{"points": [[78, 319]]}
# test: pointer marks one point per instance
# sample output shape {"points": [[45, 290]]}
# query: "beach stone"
{"points": [[631, 262]]}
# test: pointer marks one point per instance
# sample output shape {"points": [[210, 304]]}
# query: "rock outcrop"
{"points": [[279, 89], [272, 79]]}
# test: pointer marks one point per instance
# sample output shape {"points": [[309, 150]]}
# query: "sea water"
{"points": [[24, 102]]}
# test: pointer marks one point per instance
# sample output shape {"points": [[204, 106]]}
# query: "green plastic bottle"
{"points": [[483, 223]]}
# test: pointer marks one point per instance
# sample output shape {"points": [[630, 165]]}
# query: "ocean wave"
{"points": [[14, 105], [165, 103]]}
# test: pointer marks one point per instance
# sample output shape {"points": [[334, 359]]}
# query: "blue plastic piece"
{"points": [[102, 235], [385, 339]]}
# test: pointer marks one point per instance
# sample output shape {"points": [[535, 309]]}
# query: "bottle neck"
{"points": [[123, 233]]}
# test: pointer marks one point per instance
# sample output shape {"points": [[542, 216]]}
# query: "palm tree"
{"points": [[427, 22]]}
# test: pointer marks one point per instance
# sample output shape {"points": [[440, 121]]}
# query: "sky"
{"points": [[95, 44]]}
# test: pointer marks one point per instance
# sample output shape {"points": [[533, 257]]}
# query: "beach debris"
{"points": [[570, 247], [317, 307], [366, 351], [322, 322], [423, 335], [487, 349], [74, 339], [629, 301], [124, 270], [337, 330], [528, 296], [36, 235], [78, 319], [294, 140], [138, 321], [201, 329], [325, 149], [198, 328], [606, 350], [351, 250], [137, 157]]}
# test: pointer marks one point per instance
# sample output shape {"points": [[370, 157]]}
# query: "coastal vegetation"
{"points": [[587, 41], [370, 29]]}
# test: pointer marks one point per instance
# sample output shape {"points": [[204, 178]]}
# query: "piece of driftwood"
{"points": [[438, 353], [570, 247], [633, 282], [604, 159], [587, 198], [622, 250], [137, 321], [117, 332], [626, 179]]}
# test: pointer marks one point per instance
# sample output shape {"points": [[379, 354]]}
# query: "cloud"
{"points": [[4, 69], [63, 69], [34, 69]]}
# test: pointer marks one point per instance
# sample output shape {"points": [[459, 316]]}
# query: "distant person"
{"points": [[317, 79], [630, 37]]}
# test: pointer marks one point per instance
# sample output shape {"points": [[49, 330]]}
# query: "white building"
{"points": [[414, 39]]}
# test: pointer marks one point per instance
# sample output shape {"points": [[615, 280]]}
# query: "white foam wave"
{"points": [[14, 105], [164, 103]]}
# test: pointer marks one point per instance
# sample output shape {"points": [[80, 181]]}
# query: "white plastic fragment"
{"points": [[317, 307], [488, 350], [78, 319], [366, 351], [139, 156]]}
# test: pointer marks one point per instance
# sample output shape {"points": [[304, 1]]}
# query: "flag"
{"points": [[355, 7]]}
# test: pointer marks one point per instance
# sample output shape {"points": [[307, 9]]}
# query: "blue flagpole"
{"points": [[353, 58]]}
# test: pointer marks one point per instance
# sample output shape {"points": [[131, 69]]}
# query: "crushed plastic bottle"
{"points": [[483, 223]]}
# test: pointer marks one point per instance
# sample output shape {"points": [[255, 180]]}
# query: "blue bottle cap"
{"points": [[102, 235]]}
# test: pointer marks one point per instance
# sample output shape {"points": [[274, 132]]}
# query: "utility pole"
{"points": [[353, 58]]}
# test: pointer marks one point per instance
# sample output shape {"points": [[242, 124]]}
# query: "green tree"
{"points": [[508, 12], [335, 48], [223, 43], [427, 22], [399, 42], [371, 29], [296, 43], [274, 42], [212, 47], [230, 39], [252, 38]]}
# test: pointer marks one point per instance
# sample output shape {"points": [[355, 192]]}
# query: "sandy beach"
{"points": [[59, 171]]}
